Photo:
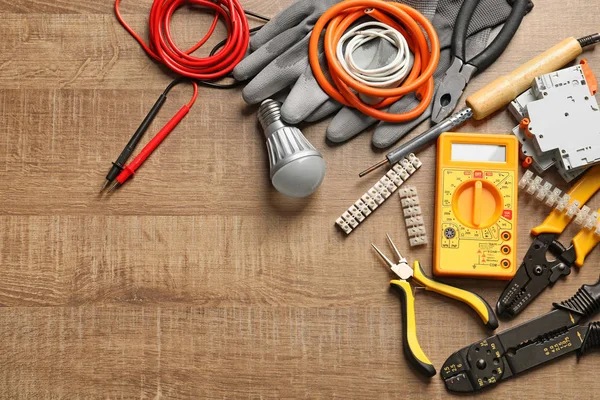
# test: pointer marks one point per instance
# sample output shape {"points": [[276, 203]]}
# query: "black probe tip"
{"points": [[114, 186], [105, 185]]}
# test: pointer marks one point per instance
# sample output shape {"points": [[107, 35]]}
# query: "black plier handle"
{"points": [[537, 272], [498, 45], [462, 70]]}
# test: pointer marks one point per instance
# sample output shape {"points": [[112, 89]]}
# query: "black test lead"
{"points": [[118, 165]]}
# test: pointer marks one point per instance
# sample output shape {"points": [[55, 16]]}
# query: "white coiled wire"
{"points": [[387, 76]]}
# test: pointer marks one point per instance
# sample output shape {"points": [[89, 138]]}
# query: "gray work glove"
{"points": [[488, 14], [279, 60]]}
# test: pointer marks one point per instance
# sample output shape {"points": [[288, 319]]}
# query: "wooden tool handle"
{"points": [[505, 89]]}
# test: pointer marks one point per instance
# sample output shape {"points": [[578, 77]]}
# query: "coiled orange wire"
{"points": [[410, 23]]}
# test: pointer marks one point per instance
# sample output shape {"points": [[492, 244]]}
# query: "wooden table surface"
{"points": [[197, 279]]}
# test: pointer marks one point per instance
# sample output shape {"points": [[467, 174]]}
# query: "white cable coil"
{"points": [[387, 76]]}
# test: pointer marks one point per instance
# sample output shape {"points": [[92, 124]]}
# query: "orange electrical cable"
{"points": [[410, 23]]}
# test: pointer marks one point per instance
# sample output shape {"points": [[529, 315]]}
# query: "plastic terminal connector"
{"points": [[553, 197], [563, 203], [591, 221], [394, 177], [582, 215], [343, 225], [377, 195], [363, 208], [408, 166], [526, 180], [573, 209], [413, 219], [402, 173], [543, 191], [535, 185]]}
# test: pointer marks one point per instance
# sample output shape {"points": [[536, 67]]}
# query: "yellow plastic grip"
{"points": [[471, 299], [412, 348], [582, 191], [584, 242]]}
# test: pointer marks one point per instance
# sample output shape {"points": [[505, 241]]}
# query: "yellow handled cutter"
{"points": [[412, 348]]}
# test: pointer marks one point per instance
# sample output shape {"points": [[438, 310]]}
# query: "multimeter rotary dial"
{"points": [[450, 233], [477, 203]]}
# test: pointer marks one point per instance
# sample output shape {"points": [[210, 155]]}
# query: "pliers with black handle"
{"points": [[543, 339], [462, 70], [537, 272]]}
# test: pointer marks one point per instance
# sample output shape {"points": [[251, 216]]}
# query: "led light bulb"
{"points": [[297, 168]]}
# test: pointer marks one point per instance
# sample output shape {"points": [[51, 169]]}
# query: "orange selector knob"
{"points": [[477, 203]]}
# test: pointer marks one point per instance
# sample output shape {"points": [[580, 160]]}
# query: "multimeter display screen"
{"points": [[478, 152]]}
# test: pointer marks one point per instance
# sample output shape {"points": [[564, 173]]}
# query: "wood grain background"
{"points": [[197, 279]]}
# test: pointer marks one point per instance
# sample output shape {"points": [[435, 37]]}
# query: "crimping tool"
{"points": [[528, 345], [537, 272], [412, 348]]}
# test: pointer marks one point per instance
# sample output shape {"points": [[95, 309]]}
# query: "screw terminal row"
{"points": [[554, 198], [379, 193], [413, 218]]}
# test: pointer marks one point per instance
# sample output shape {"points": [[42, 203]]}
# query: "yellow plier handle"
{"points": [[485, 311], [584, 242], [412, 348], [557, 221]]}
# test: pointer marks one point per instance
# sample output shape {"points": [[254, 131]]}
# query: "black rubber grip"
{"points": [[586, 301], [426, 369], [461, 27], [118, 165], [497, 47], [591, 339], [137, 136]]}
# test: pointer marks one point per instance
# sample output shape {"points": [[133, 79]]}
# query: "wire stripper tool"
{"points": [[412, 349], [537, 272], [528, 345]]}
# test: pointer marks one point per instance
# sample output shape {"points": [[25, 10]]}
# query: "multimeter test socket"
{"points": [[476, 205]]}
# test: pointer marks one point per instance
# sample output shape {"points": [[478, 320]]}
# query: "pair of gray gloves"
{"points": [[278, 67]]}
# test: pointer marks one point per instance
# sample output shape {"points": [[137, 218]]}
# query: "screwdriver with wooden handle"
{"points": [[495, 95]]}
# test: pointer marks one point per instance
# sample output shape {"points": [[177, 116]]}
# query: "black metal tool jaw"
{"points": [[535, 274], [476, 367], [532, 343], [451, 89]]}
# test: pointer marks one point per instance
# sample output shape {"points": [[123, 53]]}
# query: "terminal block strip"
{"points": [[554, 198], [378, 194], [413, 217]]}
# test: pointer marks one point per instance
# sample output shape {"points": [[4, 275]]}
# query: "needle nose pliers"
{"points": [[412, 349]]}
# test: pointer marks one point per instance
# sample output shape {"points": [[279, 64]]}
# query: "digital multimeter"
{"points": [[476, 205]]}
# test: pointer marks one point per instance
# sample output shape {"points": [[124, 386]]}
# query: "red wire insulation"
{"points": [[194, 96], [163, 49], [129, 169]]}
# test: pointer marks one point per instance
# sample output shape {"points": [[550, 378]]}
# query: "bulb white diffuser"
{"points": [[297, 168]]}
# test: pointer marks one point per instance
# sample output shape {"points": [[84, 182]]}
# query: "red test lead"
{"points": [[129, 169]]}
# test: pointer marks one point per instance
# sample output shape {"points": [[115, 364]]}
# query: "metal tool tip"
{"points": [[589, 40], [105, 185], [373, 168], [114, 186]]}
